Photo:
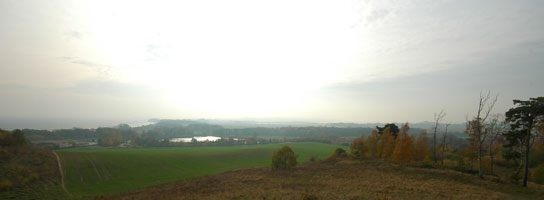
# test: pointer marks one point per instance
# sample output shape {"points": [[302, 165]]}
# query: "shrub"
{"points": [[5, 184], [538, 174], [339, 153], [284, 158]]}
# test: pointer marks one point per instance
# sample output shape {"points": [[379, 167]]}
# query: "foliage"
{"points": [[29, 173], [12, 138], [284, 158], [537, 175], [372, 144], [110, 137], [393, 129], [421, 149], [358, 148], [536, 156], [388, 144], [338, 154], [403, 148], [523, 118]]}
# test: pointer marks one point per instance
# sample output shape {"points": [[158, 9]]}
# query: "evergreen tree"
{"points": [[523, 118]]}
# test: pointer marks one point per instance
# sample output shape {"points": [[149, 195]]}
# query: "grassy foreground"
{"points": [[29, 173], [348, 179], [96, 171]]}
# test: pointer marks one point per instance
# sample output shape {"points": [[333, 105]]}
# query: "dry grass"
{"points": [[337, 180]]}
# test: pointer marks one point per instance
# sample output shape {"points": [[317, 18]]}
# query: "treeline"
{"points": [[158, 134], [399, 147], [12, 138], [515, 142], [164, 130], [60, 134]]}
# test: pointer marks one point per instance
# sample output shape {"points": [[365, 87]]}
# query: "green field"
{"points": [[95, 171]]}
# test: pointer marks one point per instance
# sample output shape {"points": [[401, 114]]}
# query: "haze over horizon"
{"points": [[356, 61]]}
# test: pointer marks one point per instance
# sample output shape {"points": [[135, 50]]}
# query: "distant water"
{"points": [[58, 123], [199, 139]]}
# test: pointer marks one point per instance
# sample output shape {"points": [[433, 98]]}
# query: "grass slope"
{"points": [[32, 173], [96, 171], [343, 180]]}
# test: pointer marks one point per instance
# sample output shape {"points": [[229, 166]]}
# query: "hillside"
{"points": [[29, 173], [342, 180]]}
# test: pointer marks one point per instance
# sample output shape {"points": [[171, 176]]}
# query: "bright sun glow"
{"points": [[226, 60]]}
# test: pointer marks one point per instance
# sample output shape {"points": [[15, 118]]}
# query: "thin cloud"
{"points": [[101, 69], [110, 88]]}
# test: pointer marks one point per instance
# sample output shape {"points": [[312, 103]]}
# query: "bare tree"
{"points": [[444, 136], [494, 129], [476, 126], [437, 118]]}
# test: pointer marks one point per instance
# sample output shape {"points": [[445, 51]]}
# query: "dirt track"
{"points": [[61, 173]]}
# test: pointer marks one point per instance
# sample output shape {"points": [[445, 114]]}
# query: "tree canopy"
{"points": [[394, 129], [523, 118]]}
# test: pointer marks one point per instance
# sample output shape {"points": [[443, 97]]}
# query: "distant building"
{"points": [[65, 145]]}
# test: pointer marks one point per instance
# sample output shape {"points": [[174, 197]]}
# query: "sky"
{"points": [[329, 61]]}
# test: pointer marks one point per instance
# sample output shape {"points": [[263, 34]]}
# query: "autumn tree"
{"points": [[358, 148], [109, 136], [403, 148], [388, 144], [284, 158], [523, 118], [421, 149], [371, 144]]}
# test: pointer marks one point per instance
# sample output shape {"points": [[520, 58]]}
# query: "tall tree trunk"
{"points": [[434, 145], [443, 150], [527, 148]]}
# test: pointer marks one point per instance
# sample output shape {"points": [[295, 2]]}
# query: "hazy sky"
{"points": [[351, 61]]}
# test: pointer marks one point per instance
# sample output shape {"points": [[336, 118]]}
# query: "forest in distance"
{"points": [[159, 133]]}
